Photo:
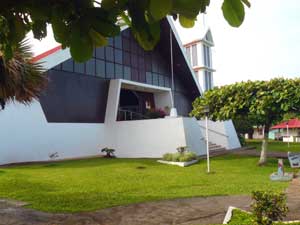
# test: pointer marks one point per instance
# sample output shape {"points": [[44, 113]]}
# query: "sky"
{"points": [[265, 46]]}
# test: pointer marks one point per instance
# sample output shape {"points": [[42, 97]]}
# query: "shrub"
{"points": [[168, 157], [187, 156], [269, 207], [109, 152], [180, 157]]}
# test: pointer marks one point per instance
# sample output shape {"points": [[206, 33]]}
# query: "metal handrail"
{"points": [[214, 131], [131, 113]]}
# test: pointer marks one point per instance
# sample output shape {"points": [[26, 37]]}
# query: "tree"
{"points": [[265, 101], [89, 23], [20, 79]]}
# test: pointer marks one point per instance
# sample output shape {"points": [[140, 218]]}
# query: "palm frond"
{"points": [[21, 79]]}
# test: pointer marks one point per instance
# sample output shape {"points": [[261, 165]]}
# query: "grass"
{"points": [[90, 184], [277, 146]]}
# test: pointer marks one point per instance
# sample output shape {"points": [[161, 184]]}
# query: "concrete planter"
{"points": [[182, 164]]}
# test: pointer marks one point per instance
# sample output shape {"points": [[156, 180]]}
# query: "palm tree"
{"points": [[21, 79]]}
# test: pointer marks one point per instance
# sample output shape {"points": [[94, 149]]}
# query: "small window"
{"points": [[119, 71], [134, 75], [155, 79], [90, 67], [188, 54], [118, 56], [110, 41], [100, 53], [100, 68], [142, 76], [126, 44], [78, 67], [109, 54], [134, 60], [195, 55], [110, 70], [161, 80], [167, 82], [148, 77], [126, 58], [127, 73], [118, 42]]}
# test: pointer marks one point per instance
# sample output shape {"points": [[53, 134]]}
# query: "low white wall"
{"points": [[146, 138], [27, 136], [221, 133]]}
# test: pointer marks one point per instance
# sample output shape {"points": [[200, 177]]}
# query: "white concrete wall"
{"points": [[194, 136], [222, 133], [27, 136]]}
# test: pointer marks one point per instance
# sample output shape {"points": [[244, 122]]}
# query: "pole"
{"points": [[207, 144], [172, 69], [288, 134]]}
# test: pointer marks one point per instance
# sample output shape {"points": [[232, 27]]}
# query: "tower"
{"points": [[199, 55]]}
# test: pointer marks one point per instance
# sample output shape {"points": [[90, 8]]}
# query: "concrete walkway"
{"points": [[293, 199]]}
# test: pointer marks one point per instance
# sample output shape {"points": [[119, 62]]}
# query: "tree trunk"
{"points": [[264, 147]]}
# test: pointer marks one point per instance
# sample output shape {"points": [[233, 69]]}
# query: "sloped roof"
{"points": [[293, 123], [57, 55]]}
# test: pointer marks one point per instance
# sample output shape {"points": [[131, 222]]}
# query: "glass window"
{"points": [[58, 67], [155, 79], [188, 53], [134, 75], [119, 71], [126, 58], [195, 55], [110, 70], [142, 76], [100, 53], [141, 63], [161, 80], [134, 48], [68, 65], [118, 42], [148, 77], [126, 44], [208, 57], [90, 67], [109, 54], [154, 66], [167, 82], [127, 73], [100, 68], [134, 60], [118, 56]]}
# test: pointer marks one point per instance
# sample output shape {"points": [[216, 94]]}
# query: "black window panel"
{"points": [[110, 41], [100, 53], [141, 62], [126, 58], [78, 67], [127, 73], [142, 76], [109, 54], [68, 65], [118, 56], [167, 82], [135, 75], [90, 67], [119, 71], [134, 60], [154, 66], [155, 79], [118, 42], [195, 55], [100, 68], [161, 80], [148, 77], [134, 47], [110, 70], [126, 44]]}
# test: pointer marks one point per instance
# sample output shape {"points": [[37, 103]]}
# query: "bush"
{"points": [[269, 207], [180, 157], [110, 153], [242, 139]]}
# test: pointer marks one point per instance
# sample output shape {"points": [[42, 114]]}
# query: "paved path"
{"points": [[180, 211], [293, 199]]}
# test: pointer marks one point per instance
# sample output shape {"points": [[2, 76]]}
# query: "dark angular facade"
{"points": [[77, 92]]}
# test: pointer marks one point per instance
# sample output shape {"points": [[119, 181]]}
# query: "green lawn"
{"points": [[91, 184], [277, 146]]}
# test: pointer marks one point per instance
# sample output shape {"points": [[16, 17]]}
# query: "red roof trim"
{"points": [[293, 123], [45, 54]]}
